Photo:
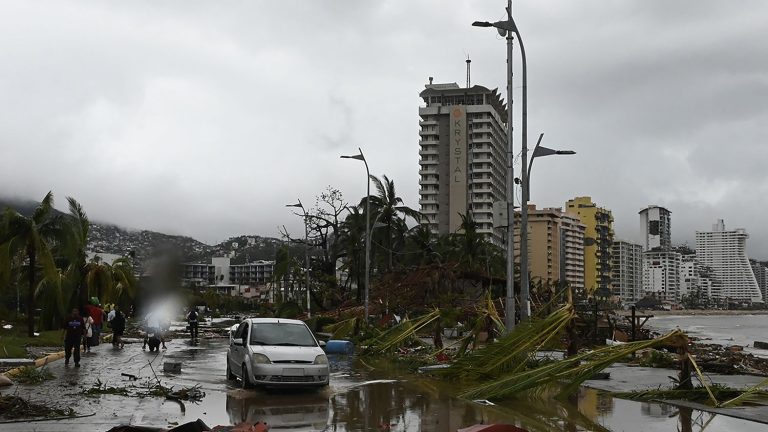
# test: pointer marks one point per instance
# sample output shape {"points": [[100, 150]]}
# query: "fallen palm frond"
{"points": [[488, 319], [342, 329], [572, 371], [100, 388], [187, 393], [701, 394], [399, 334], [702, 380], [750, 396], [511, 352]]}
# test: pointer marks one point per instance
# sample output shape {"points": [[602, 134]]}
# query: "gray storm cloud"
{"points": [[204, 119]]}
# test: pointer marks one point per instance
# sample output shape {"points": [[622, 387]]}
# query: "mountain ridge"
{"points": [[105, 237]]}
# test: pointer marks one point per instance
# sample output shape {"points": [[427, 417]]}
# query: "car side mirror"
{"points": [[322, 344], [237, 342]]}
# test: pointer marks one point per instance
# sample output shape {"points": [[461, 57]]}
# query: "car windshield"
{"points": [[281, 334]]}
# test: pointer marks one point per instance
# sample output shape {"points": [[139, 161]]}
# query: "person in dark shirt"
{"points": [[192, 319], [118, 328], [74, 327]]}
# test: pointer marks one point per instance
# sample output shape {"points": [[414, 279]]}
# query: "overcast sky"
{"points": [[205, 118]]}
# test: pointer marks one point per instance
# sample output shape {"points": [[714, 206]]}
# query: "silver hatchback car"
{"points": [[276, 352]]}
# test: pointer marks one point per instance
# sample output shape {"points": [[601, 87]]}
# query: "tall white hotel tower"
{"points": [[725, 252], [463, 157]]}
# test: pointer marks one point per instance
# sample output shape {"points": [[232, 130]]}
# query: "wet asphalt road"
{"points": [[353, 401], [202, 365], [359, 398]]}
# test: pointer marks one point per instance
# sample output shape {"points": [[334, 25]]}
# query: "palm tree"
{"points": [[111, 283], [389, 208], [73, 245], [30, 236], [471, 242], [352, 246]]}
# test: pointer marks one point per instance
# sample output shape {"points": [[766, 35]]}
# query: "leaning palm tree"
{"points": [[31, 237], [72, 249], [389, 208]]}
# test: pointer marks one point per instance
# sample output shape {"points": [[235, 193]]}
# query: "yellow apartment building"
{"points": [[598, 240], [555, 246]]}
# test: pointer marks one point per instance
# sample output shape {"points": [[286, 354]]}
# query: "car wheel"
{"points": [[246, 382], [230, 375]]}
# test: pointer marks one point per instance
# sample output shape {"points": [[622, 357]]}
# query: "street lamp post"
{"points": [[538, 151], [306, 254], [367, 226], [507, 28]]}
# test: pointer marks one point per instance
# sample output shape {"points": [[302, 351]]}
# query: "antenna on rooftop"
{"points": [[468, 62]]}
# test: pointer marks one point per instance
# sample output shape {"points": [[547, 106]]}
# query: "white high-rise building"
{"points": [[661, 274], [725, 253], [655, 224], [463, 157], [627, 269], [760, 269], [661, 265]]}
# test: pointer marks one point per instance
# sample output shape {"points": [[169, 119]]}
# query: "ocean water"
{"points": [[725, 330]]}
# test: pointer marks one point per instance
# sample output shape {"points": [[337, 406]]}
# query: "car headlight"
{"points": [[321, 359], [259, 359]]}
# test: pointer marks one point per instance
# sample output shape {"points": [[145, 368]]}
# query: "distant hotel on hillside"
{"points": [[462, 157], [251, 280]]}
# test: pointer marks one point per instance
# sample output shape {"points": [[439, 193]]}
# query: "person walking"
{"points": [[192, 320], [118, 328], [111, 314], [97, 313], [87, 333], [74, 327]]}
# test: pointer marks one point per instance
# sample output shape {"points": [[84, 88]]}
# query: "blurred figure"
{"points": [[74, 327], [152, 325]]}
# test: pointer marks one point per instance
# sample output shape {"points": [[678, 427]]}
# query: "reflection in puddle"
{"points": [[285, 411], [379, 396], [421, 405]]}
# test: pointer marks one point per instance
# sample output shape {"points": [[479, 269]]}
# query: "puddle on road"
{"points": [[360, 398]]}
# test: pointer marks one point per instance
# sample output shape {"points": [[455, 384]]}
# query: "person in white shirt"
{"points": [[111, 314]]}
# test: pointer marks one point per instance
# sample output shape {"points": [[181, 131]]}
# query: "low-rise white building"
{"points": [[250, 280]]}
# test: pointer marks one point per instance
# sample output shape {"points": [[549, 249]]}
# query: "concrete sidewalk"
{"points": [[203, 365]]}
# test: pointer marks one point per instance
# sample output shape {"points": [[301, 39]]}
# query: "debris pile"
{"points": [[14, 407], [728, 360]]}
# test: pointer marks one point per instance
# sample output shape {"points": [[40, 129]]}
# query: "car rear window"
{"points": [[281, 334]]}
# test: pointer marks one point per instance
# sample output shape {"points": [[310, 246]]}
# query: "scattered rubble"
{"points": [[728, 360], [14, 407]]}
